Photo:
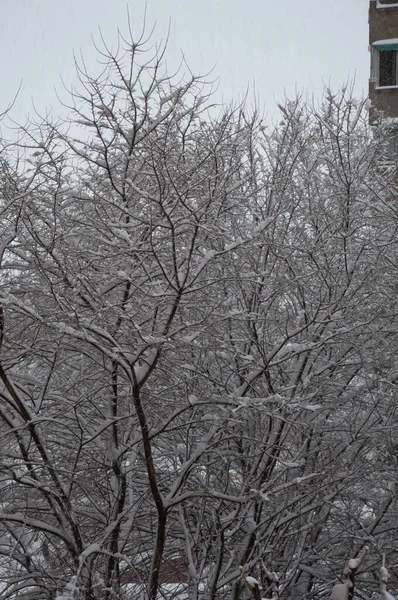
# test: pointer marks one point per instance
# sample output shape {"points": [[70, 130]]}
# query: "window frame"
{"points": [[376, 49], [380, 4]]}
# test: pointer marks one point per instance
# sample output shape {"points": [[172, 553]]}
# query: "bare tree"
{"points": [[198, 336]]}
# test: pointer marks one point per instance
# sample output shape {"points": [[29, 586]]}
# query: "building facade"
{"points": [[383, 44]]}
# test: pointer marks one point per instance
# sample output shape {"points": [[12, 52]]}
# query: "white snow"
{"points": [[368, 104], [390, 120], [354, 563], [233, 245], [389, 41], [91, 549], [340, 591], [386, 595], [69, 591], [210, 417], [122, 233], [262, 225], [252, 581], [207, 256]]}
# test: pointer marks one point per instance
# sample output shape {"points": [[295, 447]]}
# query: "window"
{"points": [[384, 69], [387, 68], [391, 147], [388, 136]]}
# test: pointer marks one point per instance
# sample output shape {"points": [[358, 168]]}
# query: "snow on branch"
{"points": [[251, 583], [384, 576], [345, 591]]}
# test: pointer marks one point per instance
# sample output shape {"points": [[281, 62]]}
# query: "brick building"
{"points": [[383, 42]]}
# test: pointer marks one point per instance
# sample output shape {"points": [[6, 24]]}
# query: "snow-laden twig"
{"points": [[346, 590], [384, 576], [252, 584]]}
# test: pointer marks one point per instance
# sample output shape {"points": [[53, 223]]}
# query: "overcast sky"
{"points": [[271, 46]]}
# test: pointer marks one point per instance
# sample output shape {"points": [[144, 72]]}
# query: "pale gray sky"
{"points": [[273, 46]]}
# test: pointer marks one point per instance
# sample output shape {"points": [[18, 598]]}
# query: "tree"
{"points": [[197, 343]]}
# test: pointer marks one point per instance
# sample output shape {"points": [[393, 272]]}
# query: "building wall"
{"points": [[383, 25], [385, 101], [383, 22]]}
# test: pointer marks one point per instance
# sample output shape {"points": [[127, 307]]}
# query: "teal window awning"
{"points": [[386, 44]]}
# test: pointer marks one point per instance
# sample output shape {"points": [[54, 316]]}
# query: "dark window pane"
{"points": [[388, 67], [390, 146]]}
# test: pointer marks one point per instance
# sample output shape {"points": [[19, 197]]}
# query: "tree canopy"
{"points": [[198, 357]]}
